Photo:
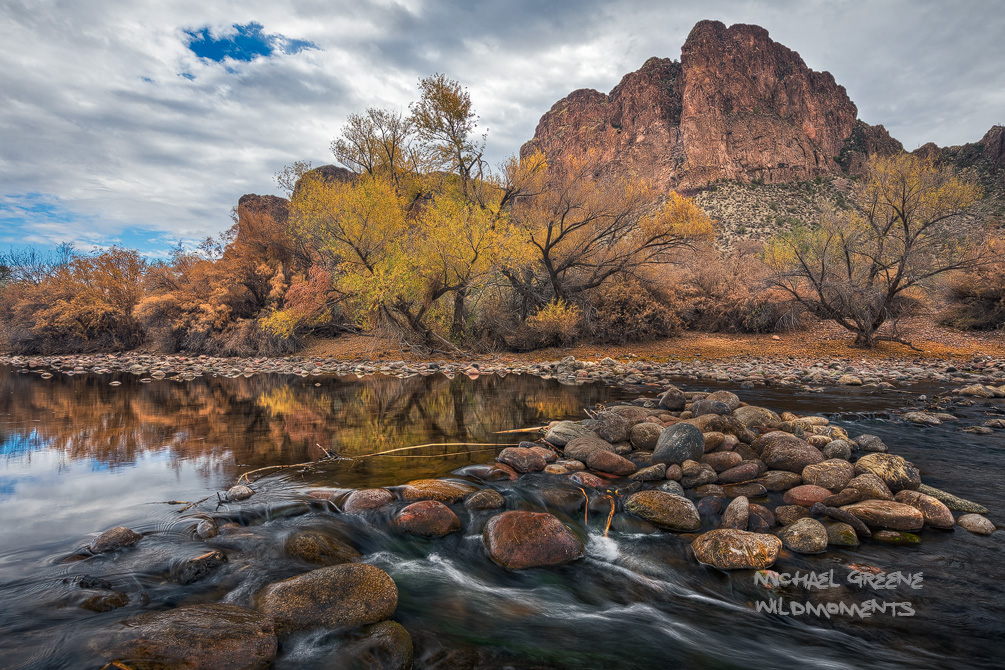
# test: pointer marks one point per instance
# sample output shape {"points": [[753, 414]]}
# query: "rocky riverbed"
{"points": [[739, 487]]}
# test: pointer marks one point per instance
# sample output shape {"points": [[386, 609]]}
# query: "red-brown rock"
{"points": [[427, 518], [519, 540]]}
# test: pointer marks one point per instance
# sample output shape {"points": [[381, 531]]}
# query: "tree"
{"points": [[444, 119], [913, 222], [378, 142]]}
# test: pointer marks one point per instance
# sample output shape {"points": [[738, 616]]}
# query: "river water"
{"points": [[79, 455]]}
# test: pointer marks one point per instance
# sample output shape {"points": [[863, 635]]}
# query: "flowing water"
{"points": [[78, 456]]}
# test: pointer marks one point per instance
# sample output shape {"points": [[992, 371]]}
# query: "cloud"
{"points": [[147, 120]]}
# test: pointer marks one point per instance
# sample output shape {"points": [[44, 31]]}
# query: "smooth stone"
{"points": [[197, 637], [748, 489], [672, 512], [690, 468], [952, 502], [653, 473], [805, 495], [670, 486], [581, 447], [837, 514], [791, 454], [870, 443], [427, 518], [518, 540], [841, 535], [729, 549], [837, 449], [887, 514], [679, 443], [645, 435], [788, 514], [804, 536], [380, 646], [706, 406], [435, 489], [196, 568], [239, 492], [833, 474], [105, 602], [485, 499], [316, 547], [673, 399], [674, 472], [366, 499], [713, 440], [335, 597], [896, 537], [976, 523], [730, 399], [706, 475], [721, 460], [736, 514], [207, 529], [706, 490], [760, 519], [751, 416], [588, 479], [922, 418], [605, 461], [894, 470], [113, 539], [571, 464], [843, 497], [936, 514], [611, 426], [553, 469], [741, 473], [522, 459], [564, 432], [871, 487], [779, 480]]}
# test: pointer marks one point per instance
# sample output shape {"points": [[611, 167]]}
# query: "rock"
{"points": [[849, 380], [673, 399], [381, 646], [804, 536], [690, 468], [335, 597], [611, 427], [751, 416], [887, 514], [196, 568], [896, 537], [936, 514], [841, 535], [741, 473], [435, 489], [980, 391], [895, 472], [678, 443], [485, 499], [805, 495], [844, 497], [494, 472], [706, 406], [671, 487], [522, 459], [760, 519], [519, 540], [837, 449], [366, 499], [730, 399], [713, 440], [645, 435], [239, 492], [706, 490], [653, 473], [779, 480], [711, 506], [833, 474], [571, 464], [787, 514], [736, 514], [674, 472], [564, 432], [976, 523], [870, 443], [581, 447], [922, 418], [870, 487], [706, 475], [427, 518], [316, 547], [952, 502], [588, 479], [790, 454], [721, 460], [605, 461], [729, 549], [207, 529], [819, 509], [198, 637], [672, 512], [748, 489], [114, 539]]}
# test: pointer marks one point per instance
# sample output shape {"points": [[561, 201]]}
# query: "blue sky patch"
{"points": [[247, 42]]}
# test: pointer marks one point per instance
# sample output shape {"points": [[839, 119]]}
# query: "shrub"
{"points": [[626, 311], [556, 323]]}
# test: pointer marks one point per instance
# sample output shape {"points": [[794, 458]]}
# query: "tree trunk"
{"points": [[460, 315]]}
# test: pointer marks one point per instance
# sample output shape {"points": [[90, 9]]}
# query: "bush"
{"points": [[556, 323], [977, 299], [626, 311]]}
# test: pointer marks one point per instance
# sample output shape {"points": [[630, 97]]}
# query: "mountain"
{"points": [[738, 106]]}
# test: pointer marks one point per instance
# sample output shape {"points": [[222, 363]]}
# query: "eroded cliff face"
{"points": [[738, 106]]}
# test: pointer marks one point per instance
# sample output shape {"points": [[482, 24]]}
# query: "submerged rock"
{"points": [[239, 492], [381, 646], [336, 597], [952, 502], [114, 539], [518, 540], [198, 637], [729, 549], [316, 547]]}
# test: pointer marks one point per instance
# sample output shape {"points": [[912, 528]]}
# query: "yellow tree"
{"points": [[913, 222]]}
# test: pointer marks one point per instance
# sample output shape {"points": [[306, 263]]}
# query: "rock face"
{"points": [[199, 637], [738, 106], [519, 540]]}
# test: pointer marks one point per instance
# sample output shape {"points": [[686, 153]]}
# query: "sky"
{"points": [[140, 123]]}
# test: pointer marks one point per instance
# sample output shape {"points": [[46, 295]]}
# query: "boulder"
{"points": [[706, 406], [672, 512], [673, 399], [335, 597], [870, 443], [366, 499], [936, 514], [805, 495], [519, 540], [113, 539], [581, 447], [606, 461], [485, 499], [870, 487], [837, 449], [564, 432], [751, 416], [833, 474], [522, 459], [435, 489], [645, 435], [427, 518], [316, 547], [804, 536], [678, 443], [197, 637], [887, 514], [611, 427], [721, 460], [736, 514], [895, 472], [730, 549], [976, 523], [791, 454], [730, 399]]}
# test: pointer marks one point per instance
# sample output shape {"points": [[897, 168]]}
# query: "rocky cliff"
{"points": [[738, 106]]}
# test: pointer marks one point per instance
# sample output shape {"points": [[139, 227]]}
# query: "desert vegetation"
{"points": [[416, 235]]}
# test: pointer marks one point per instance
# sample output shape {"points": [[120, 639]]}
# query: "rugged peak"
{"points": [[738, 106]]}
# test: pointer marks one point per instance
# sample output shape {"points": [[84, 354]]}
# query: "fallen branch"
{"points": [[191, 505], [438, 444], [520, 430]]}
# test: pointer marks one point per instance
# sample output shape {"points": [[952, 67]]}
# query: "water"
{"points": [[80, 456]]}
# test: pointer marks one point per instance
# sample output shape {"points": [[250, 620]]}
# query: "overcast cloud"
{"points": [[112, 130]]}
